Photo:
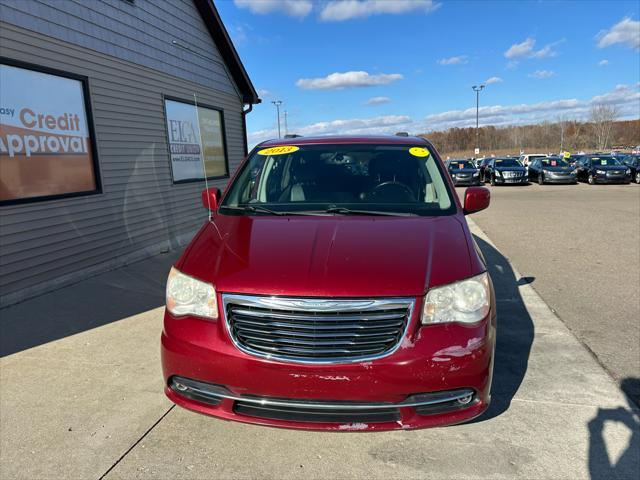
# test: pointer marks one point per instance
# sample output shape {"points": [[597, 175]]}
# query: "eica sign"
{"points": [[45, 144]]}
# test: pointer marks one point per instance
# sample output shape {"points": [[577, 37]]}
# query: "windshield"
{"points": [[600, 161], [507, 162], [554, 162], [458, 165], [362, 177]]}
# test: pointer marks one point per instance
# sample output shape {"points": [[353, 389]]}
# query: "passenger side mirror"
{"points": [[211, 198], [476, 199]]}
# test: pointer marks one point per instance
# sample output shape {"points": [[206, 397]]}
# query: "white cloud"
{"points": [[526, 50], [492, 80], [453, 60], [542, 74], [625, 97], [603, 63], [293, 8], [626, 32], [378, 101], [386, 124], [339, 81], [264, 93], [340, 10]]}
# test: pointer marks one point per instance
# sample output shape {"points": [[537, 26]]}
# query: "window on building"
{"points": [[46, 137], [196, 141]]}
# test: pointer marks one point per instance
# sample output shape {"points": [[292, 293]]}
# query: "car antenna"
{"points": [[204, 170]]}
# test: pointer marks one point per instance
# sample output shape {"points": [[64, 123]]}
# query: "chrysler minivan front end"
{"points": [[336, 286]]}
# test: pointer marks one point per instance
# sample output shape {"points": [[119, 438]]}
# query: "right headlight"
{"points": [[601, 172], [189, 296], [466, 301]]}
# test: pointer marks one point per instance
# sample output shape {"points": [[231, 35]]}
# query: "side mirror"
{"points": [[476, 199], [211, 198]]}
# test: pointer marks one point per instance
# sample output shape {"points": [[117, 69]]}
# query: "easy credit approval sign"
{"points": [[45, 146]]}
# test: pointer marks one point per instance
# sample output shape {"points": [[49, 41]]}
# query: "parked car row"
{"points": [[592, 168]]}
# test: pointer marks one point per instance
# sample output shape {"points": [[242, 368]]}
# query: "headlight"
{"points": [[628, 172], [575, 172], [466, 301], [498, 173], [601, 172], [476, 174], [188, 296]]}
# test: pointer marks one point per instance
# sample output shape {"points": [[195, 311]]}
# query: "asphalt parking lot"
{"points": [[580, 244], [81, 397]]}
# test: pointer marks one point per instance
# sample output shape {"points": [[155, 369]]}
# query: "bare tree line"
{"points": [[600, 132]]}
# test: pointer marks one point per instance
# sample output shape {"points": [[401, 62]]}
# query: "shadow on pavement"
{"points": [[91, 303], [515, 331], [601, 465]]}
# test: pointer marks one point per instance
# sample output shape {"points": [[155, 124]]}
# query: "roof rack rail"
{"points": [[402, 134], [292, 135]]}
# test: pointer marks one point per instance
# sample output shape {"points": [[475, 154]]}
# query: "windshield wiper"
{"points": [[259, 209], [253, 209], [349, 211]]}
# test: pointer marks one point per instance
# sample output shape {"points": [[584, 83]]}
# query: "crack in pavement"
{"points": [[135, 444]]}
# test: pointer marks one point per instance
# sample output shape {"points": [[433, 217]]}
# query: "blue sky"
{"points": [[368, 66]]}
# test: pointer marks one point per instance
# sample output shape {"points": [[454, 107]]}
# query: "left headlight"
{"points": [[628, 172], [601, 172], [466, 301], [476, 174], [188, 296]]}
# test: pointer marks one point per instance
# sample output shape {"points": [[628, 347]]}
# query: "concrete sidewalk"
{"points": [[88, 402]]}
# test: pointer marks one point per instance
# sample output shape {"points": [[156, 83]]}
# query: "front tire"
{"points": [[591, 179], [540, 179], [493, 180], [637, 177]]}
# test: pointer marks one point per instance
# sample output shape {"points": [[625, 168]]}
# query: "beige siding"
{"points": [[140, 212]]}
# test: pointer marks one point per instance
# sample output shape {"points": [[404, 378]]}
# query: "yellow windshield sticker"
{"points": [[282, 150], [567, 155], [419, 151]]}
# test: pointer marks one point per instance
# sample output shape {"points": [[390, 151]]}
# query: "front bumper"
{"points": [[612, 179], [511, 180], [431, 362], [466, 181], [560, 179]]}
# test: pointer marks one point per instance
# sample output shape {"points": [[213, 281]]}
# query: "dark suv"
{"points": [[500, 171]]}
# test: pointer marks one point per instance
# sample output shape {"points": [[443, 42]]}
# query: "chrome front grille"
{"points": [[310, 330]]}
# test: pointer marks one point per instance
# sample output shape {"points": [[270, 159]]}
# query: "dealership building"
{"points": [[112, 112]]}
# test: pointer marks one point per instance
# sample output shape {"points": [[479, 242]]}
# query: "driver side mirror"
{"points": [[211, 198], [476, 199]]}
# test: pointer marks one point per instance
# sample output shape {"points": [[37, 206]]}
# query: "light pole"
{"points": [[286, 127], [477, 89], [277, 103]]}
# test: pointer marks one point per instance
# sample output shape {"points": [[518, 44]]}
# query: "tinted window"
{"points": [[459, 164], [363, 177], [507, 162], [603, 161], [554, 162]]}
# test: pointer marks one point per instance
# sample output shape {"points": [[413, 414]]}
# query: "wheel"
{"points": [[591, 179], [493, 180], [638, 177], [540, 178]]}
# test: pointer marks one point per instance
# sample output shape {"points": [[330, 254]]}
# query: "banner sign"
{"points": [[45, 146], [190, 131]]}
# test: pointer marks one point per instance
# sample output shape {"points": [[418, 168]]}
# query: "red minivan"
{"points": [[335, 286]]}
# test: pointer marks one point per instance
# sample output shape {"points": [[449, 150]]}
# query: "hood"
{"points": [[511, 169], [338, 256], [609, 167], [558, 168], [463, 170]]}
